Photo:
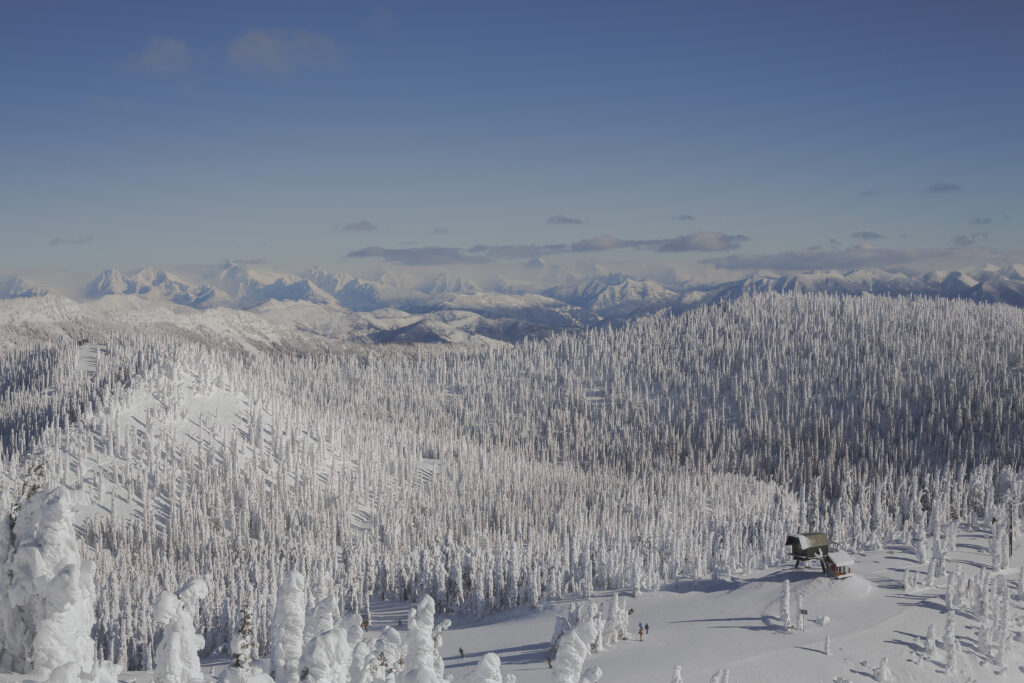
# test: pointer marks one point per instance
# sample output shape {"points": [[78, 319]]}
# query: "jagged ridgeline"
{"points": [[614, 458]]}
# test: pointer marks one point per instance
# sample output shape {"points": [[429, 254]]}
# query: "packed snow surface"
{"points": [[709, 626], [705, 627]]}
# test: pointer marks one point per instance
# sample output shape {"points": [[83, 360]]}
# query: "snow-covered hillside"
{"points": [[218, 443], [735, 624]]}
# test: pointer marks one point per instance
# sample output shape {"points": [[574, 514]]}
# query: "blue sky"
{"points": [[137, 133]]}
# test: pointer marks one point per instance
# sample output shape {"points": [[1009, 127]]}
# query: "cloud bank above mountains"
{"points": [[482, 253]]}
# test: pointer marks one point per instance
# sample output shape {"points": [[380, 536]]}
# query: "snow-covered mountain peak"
{"points": [[18, 288], [614, 294], [444, 283]]}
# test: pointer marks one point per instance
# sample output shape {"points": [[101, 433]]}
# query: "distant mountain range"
{"points": [[453, 309]]}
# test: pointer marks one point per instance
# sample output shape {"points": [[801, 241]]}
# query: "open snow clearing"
{"points": [[708, 626]]}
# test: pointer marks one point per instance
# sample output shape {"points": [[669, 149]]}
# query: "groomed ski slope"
{"points": [[735, 625]]}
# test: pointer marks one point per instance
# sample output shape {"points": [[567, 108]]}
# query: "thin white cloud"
{"points": [[358, 226], [968, 240], [66, 241], [282, 51], [162, 57], [704, 241], [866, 256], [564, 220], [483, 253]]}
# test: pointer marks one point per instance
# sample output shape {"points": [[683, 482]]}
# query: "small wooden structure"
{"points": [[808, 546], [838, 564]]}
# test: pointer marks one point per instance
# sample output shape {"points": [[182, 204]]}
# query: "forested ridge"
{"points": [[611, 458]]}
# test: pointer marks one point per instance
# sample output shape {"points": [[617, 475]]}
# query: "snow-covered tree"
{"points": [[288, 628], [883, 673], [488, 670], [616, 623], [677, 674], [46, 607], [327, 657], [950, 645], [321, 618], [177, 655], [420, 659], [929, 641], [785, 615], [568, 664], [1002, 631]]}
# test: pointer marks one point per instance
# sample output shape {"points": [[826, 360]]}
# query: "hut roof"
{"points": [[810, 540], [841, 558]]}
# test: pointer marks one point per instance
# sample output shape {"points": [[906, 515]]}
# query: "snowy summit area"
{"points": [[511, 342]]}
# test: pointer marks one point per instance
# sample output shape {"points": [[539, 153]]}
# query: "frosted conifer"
{"points": [[929, 641], [177, 655], [950, 645], [287, 628], [785, 617]]}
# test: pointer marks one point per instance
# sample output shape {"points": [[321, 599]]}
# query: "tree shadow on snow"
{"points": [[536, 653], [914, 647], [766, 623], [925, 602]]}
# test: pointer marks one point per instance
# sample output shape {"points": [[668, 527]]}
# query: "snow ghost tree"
{"points": [[950, 645], [883, 674], [929, 641], [288, 627], [785, 617], [46, 612], [677, 674], [590, 624], [488, 670], [327, 657], [320, 619], [616, 623], [420, 660], [177, 655], [572, 652], [388, 649]]}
